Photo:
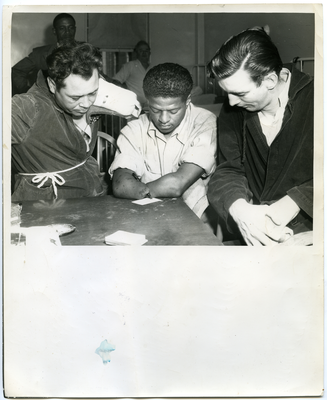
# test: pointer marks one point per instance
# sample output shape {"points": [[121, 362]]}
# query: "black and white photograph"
{"points": [[163, 201]]}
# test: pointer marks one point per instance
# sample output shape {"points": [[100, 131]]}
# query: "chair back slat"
{"points": [[106, 149]]}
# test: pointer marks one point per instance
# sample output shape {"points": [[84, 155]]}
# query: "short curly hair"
{"points": [[74, 58], [168, 80], [61, 16]]}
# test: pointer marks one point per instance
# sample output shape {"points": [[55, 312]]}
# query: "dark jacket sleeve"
{"points": [[23, 111], [229, 182], [23, 75], [303, 196]]}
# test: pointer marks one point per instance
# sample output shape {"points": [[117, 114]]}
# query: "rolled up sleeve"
{"points": [[129, 154], [202, 150]]}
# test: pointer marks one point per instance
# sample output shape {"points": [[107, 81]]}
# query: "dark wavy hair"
{"points": [[252, 50], [74, 58], [168, 80]]}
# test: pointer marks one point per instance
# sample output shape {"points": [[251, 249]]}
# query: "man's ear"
{"points": [[52, 85], [271, 80], [188, 100]]}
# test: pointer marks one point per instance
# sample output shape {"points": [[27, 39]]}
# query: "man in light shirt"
{"points": [[133, 72], [171, 150], [262, 188]]}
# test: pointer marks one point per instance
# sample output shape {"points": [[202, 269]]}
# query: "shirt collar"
{"points": [[283, 96]]}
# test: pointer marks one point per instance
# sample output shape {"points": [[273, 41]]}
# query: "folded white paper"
{"points": [[122, 238], [142, 202]]}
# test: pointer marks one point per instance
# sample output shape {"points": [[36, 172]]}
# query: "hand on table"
{"points": [[126, 185], [280, 214], [262, 224], [300, 239]]}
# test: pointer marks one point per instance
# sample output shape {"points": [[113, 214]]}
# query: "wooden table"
{"points": [[168, 222]]}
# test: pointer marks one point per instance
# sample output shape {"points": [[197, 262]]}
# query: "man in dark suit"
{"points": [[25, 71], [262, 188]]}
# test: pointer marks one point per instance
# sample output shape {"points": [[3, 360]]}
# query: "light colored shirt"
{"points": [[133, 73], [271, 126], [147, 152]]}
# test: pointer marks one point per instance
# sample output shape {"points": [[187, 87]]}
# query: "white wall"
{"points": [[292, 33], [184, 38], [173, 38]]}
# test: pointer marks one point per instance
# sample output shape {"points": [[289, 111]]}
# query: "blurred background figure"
{"points": [[24, 73], [133, 72]]}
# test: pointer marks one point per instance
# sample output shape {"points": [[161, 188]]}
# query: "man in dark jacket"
{"points": [[54, 126], [25, 71], [263, 185]]}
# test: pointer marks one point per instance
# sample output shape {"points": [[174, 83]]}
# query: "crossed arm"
{"points": [[126, 185]]}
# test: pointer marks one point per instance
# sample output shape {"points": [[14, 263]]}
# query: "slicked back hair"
{"points": [[251, 50], [75, 58], [168, 80]]}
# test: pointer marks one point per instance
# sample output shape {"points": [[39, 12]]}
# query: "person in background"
{"points": [[54, 126], [133, 72], [25, 71], [262, 188], [171, 150]]}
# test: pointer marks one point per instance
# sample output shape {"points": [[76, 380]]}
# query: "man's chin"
{"points": [[165, 131], [66, 42], [78, 113]]}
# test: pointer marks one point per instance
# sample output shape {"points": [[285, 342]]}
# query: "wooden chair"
{"points": [[106, 149]]}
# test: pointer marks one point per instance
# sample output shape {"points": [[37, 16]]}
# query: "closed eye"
{"points": [[76, 98], [238, 94], [174, 111]]}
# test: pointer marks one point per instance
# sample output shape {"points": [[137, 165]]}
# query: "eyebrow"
{"points": [[238, 93], [88, 94], [158, 109]]}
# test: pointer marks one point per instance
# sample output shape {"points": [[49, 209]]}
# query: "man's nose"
{"points": [[233, 100], [86, 101], [164, 117]]}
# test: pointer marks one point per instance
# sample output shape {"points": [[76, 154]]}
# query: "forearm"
{"points": [[226, 187], [302, 195], [283, 211], [174, 184], [229, 182], [126, 185], [166, 186]]}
